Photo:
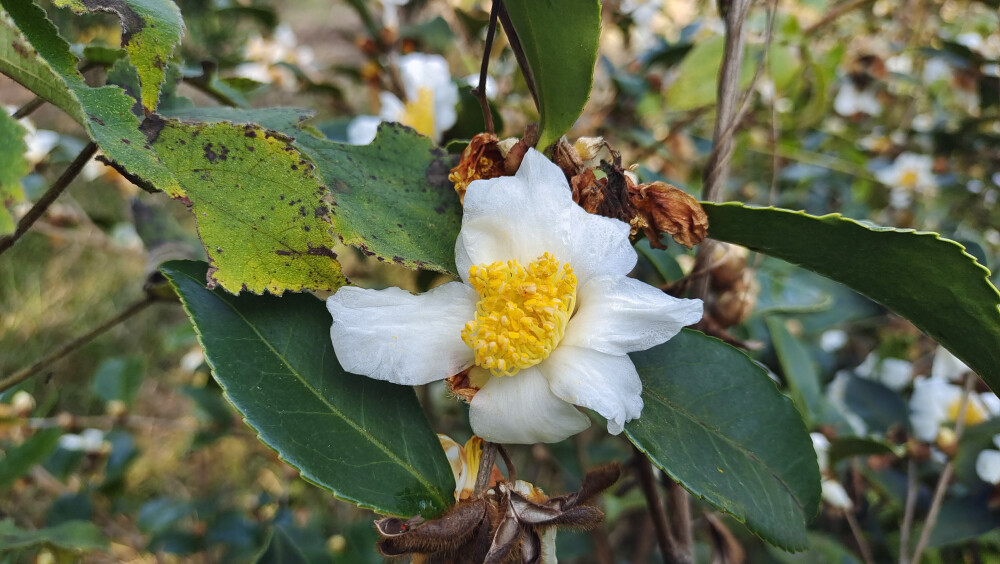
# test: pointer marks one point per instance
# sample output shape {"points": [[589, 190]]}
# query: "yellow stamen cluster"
{"points": [[419, 113], [522, 312], [974, 415]]}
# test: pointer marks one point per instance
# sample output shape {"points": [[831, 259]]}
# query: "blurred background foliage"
{"points": [[884, 111]]}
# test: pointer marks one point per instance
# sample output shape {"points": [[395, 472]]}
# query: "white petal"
{"points": [[947, 366], [362, 130], [392, 107], [988, 466], [521, 409], [516, 217], [599, 245], [394, 335], [618, 315], [822, 447], [834, 494], [608, 384], [929, 406]]}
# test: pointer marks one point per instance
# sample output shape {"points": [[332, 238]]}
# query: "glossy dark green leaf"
{"points": [[822, 549], [879, 407], [928, 280], [559, 38], [717, 424], [69, 536], [797, 367], [365, 440], [975, 439], [18, 460]]}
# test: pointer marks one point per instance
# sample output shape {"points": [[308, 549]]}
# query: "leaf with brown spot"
{"points": [[249, 204]]}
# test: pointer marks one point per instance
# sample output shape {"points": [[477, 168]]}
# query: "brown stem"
{"points": [[911, 506], [485, 467], [949, 468], [480, 90], [679, 509], [852, 522], [664, 535], [27, 109], [50, 196], [515, 46], [43, 363], [511, 470], [717, 166]]}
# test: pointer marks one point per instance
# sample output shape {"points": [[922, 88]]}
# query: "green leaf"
{"points": [[695, 85], [105, 111], [71, 536], [797, 368], [717, 424], [150, 30], [845, 447], [119, 378], [559, 39], [821, 549], [962, 519], [281, 549], [928, 280], [33, 451], [391, 199], [26, 64], [261, 208], [365, 440], [12, 168]]}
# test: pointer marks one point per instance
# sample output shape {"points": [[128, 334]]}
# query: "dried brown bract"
{"points": [[481, 159], [668, 209], [506, 524]]}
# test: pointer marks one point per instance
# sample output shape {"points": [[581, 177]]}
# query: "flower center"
{"points": [[908, 179], [522, 312], [974, 415], [419, 113]]}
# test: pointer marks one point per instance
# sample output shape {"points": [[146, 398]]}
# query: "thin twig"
{"points": [[511, 470], [679, 509], [852, 522], [949, 468], [50, 196], [911, 507], [664, 536], [515, 46], [717, 166], [27, 109], [480, 90], [485, 467], [835, 13], [51, 358]]}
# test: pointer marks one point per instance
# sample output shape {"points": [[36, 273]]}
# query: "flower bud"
{"points": [[22, 403]]}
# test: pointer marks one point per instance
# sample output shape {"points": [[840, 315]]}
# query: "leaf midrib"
{"points": [[361, 430]]}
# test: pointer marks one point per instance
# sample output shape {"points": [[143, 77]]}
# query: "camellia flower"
{"points": [[851, 100], [430, 102], [265, 55], [908, 174], [936, 402], [543, 319]]}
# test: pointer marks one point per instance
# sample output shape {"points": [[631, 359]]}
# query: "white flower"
{"points": [[988, 465], [946, 366], [89, 440], [833, 340], [907, 175], [544, 316], [893, 373], [491, 85], [832, 491], [936, 402], [851, 101], [264, 55], [430, 101]]}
